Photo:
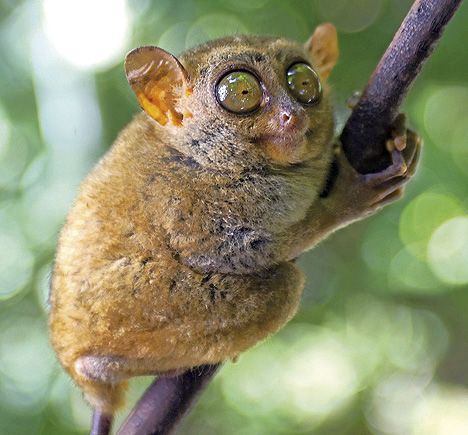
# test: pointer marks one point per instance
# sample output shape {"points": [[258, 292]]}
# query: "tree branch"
{"points": [[168, 399], [366, 129]]}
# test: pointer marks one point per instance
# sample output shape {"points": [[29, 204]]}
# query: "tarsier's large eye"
{"points": [[304, 83], [239, 92]]}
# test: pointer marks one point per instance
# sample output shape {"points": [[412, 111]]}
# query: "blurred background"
{"points": [[380, 343]]}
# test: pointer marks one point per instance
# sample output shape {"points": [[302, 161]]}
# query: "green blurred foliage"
{"points": [[379, 345]]}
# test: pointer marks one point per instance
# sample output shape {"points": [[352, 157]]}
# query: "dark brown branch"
{"points": [[167, 399], [364, 133]]}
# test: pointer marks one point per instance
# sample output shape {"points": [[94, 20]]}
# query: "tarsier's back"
{"points": [[180, 248]]}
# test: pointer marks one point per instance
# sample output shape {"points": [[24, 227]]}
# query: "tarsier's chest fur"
{"points": [[179, 249]]}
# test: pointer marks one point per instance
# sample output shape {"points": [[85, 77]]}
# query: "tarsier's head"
{"points": [[240, 99]]}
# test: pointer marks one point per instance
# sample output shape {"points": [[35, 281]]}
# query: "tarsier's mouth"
{"points": [[286, 148], [286, 141]]}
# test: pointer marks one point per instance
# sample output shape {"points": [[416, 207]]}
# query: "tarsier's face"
{"points": [[239, 98]]}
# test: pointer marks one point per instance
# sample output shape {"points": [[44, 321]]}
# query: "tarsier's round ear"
{"points": [[323, 48], [159, 81]]}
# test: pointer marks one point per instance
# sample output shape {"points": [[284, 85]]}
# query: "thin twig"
{"points": [[167, 399], [366, 129]]}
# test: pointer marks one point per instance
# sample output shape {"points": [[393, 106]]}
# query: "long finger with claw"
{"points": [[391, 197], [396, 169], [415, 160], [398, 132]]}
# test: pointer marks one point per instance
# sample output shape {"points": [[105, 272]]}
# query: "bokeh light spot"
{"points": [[380, 244], [397, 392], [173, 39], [16, 260], [266, 383], [89, 34], [308, 376], [43, 286], [321, 377], [5, 131], [212, 27], [422, 216], [448, 251], [67, 404], [350, 15], [443, 410], [13, 155], [44, 208], [460, 146], [26, 361], [408, 273], [445, 112], [247, 5]]}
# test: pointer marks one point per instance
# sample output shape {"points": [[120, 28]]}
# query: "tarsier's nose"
{"points": [[290, 120], [285, 119]]}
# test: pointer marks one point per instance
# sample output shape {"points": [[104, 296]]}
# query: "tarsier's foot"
{"points": [[112, 369], [103, 369], [360, 195]]}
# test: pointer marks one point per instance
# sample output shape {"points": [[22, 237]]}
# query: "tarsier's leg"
{"points": [[354, 196]]}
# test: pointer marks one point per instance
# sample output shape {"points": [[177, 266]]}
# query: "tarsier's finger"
{"points": [[409, 151], [397, 168], [396, 194], [397, 182], [399, 126], [398, 134], [400, 142], [391, 185], [413, 164]]}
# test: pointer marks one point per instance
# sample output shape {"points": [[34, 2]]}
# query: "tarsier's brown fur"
{"points": [[179, 249]]}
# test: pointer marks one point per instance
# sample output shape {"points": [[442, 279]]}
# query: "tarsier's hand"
{"points": [[355, 196]]}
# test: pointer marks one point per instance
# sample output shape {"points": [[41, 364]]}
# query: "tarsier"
{"points": [[179, 250]]}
